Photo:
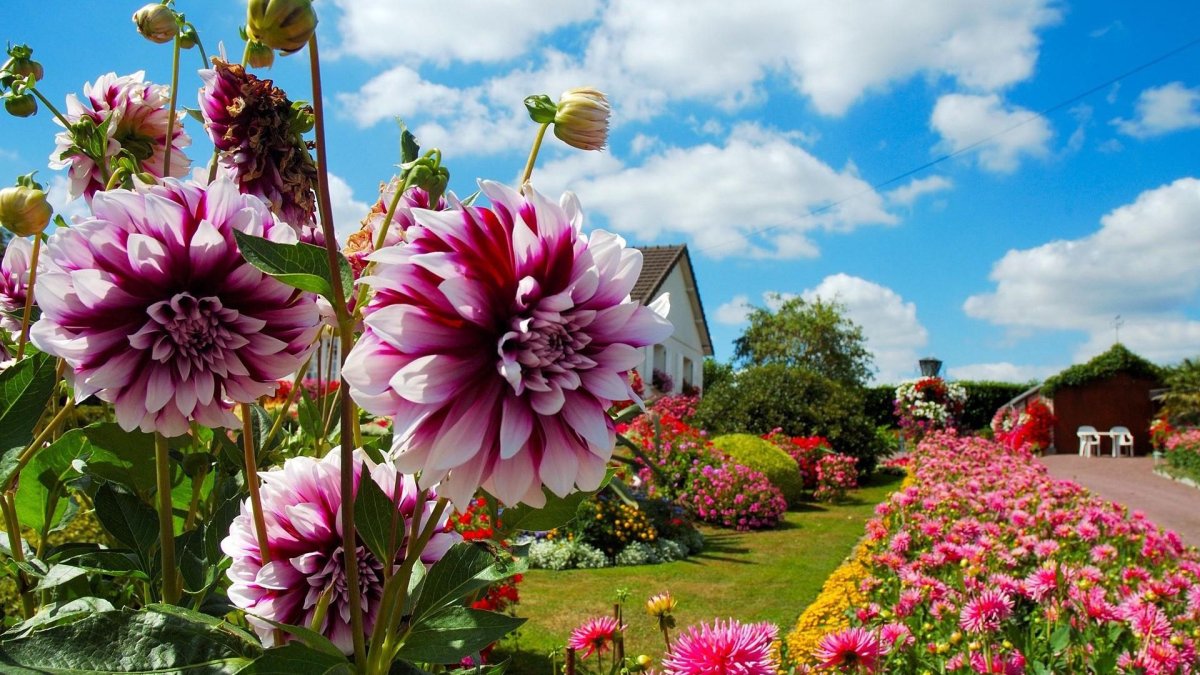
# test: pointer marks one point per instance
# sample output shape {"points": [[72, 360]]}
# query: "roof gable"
{"points": [[657, 264]]}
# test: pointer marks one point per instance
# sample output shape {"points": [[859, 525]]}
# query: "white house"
{"points": [[668, 269]]}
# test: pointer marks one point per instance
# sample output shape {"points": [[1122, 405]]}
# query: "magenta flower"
{"points": [[594, 636], [497, 338], [154, 309], [724, 648], [985, 612], [849, 649], [253, 125], [301, 505], [14, 279], [138, 116]]}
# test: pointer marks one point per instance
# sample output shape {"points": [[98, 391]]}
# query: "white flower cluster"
{"points": [[911, 397]]}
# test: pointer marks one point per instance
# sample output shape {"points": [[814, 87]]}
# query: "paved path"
{"points": [[1132, 482]]}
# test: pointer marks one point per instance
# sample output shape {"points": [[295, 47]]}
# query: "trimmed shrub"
{"points": [[762, 455]]}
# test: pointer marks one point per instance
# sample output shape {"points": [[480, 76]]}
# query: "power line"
{"points": [[1044, 113]]}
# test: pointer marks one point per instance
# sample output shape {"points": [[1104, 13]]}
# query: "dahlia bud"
{"points": [[188, 37], [24, 210], [259, 55], [156, 22], [285, 25], [582, 119], [20, 65], [661, 605], [21, 105]]}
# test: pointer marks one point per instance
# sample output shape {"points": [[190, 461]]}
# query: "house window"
{"points": [[689, 374], [660, 357]]}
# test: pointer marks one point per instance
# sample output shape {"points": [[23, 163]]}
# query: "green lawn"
{"points": [[751, 576]]}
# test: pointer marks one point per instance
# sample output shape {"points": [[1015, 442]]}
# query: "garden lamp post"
{"points": [[930, 366]]}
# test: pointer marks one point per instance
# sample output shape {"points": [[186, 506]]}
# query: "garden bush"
{"points": [[1183, 453], [764, 456]]}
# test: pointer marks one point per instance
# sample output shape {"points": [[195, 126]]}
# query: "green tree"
{"points": [[1182, 400], [814, 335]]}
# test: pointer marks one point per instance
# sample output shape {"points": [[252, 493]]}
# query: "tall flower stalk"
{"points": [[166, 528]]}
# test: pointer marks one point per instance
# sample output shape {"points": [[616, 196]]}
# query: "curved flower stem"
{"points": [[44, 436], [46, 102], [277, 423], [533, 153], [345, 328], [166, 526], [25, 316], [174, 98], [13, 530]]}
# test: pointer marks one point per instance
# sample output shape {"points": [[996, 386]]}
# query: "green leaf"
{"points": [[557, 512], [466, 567], [448, 636], [122, 457], [297, 659], [1059, 639], [40, 494], [54, 614], [25, 389], [409, 149], [298, 265], [309, 638], [156, 639], [373, 514], [541, 109], [260, 424], [192, 559], [59, 575], [129, 521]]}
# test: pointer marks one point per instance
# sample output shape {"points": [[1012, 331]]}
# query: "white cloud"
{"points": [[906, 195], [893, 332], [999, 135], [734, 312], [1001, 372], [1143, 264], [1161, 110], [452, 30], [348, 212], [752, 196]]}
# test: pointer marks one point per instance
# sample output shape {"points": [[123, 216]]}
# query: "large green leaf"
{"points": [[129, 521], [465, 568], [449, 635], [373, 514], [299, 265], [557, 512], [122, 457], [297, 659], [156, 639], [25, 388], [41, 492]]}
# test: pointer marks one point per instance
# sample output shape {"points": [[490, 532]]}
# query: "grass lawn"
{"points": [[751, 576]]}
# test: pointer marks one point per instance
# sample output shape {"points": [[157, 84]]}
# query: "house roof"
{"points": [[657, 263]]}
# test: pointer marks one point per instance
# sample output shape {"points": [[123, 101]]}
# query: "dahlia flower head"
{"points": [[594, 636], [154, 309], [251, 123], [139, 119], [301, 504], [724, 648], [361, 244], [497, 338], [14, 282], [851, 648]]}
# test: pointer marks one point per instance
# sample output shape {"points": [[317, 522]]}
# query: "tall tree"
{"points": [[812, 334]]}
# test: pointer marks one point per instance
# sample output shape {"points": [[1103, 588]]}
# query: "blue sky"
{"points": [[755, 132]]}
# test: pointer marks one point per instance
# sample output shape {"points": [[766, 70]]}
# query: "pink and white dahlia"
{"points": [[594, 636], [138, 115], [255, 128], [14, 280], [153, 307], [985, 612], [724, 648], [301, 505], [497, 338]]}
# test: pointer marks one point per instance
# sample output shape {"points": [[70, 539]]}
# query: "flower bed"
{"points": [[985, 563], [1182, 449], [1033, 426]]}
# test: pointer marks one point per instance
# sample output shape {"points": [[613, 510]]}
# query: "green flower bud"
{"points": [[582, 119], [259, 55], [24, 210], [285, 25], [188, 37], [20, 65], [541, 109], [156, 23], [22, 105]]}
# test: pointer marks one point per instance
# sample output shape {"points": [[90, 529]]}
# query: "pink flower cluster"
{"points": [[726, 647], [836, 475], [992, 566], [735, 496]]}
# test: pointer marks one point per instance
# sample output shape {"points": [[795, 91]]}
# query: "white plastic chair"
{"points": [[1121, 439], [1089, 441]]}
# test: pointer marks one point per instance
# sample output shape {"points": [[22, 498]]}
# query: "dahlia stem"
{"points": [[28, 313], [46, 102], [533, 153], [251, 467], [166, 527], [277, 423], [41, 439], [174, 97], [16, 548], [345, 328]]}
